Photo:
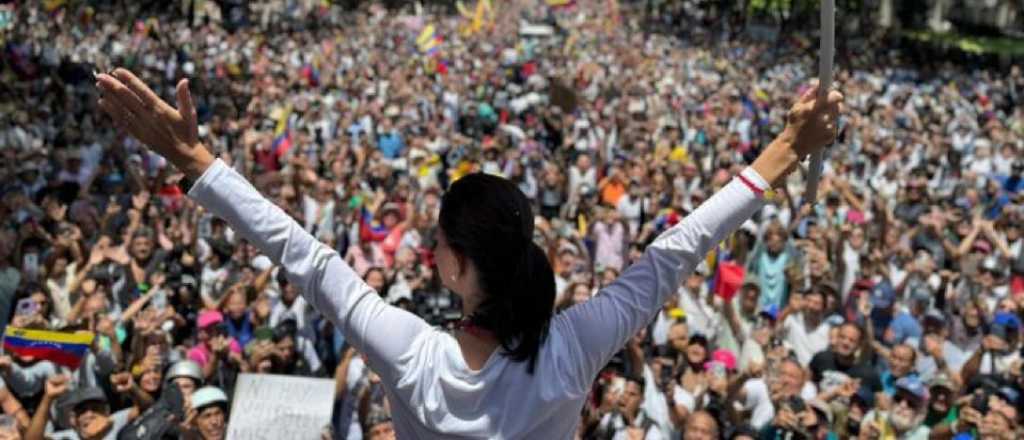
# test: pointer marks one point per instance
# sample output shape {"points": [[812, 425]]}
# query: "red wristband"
{"points": [[757, 190]]}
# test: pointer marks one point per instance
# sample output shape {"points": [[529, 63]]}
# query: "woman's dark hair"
{"points": [[487, 220]]}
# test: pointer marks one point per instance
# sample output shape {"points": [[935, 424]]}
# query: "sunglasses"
{"points": [[912, 402]]}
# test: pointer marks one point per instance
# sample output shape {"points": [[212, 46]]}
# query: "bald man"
{"points": [[701, 426]]}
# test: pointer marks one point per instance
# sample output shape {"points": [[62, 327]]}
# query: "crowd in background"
{"points": [[891, 308]]}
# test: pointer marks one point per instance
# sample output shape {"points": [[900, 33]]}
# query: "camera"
{"points": [[666, 375], [796, 404], [980, 400], [852, 426]]}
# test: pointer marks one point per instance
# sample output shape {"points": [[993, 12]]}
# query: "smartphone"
{"points": [[666, 375], [718, 369], [796, 404], [26, 307]]}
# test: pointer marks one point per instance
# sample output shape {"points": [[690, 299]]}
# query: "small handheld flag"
{"points": [[61, 348], [428, 42]]}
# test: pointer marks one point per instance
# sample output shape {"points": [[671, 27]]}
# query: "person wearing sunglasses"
{"points": [[905, 418]]}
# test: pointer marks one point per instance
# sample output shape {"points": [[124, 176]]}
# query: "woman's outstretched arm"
{"points": [[602, 325], [330, 285]]}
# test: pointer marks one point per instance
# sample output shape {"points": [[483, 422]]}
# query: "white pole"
{"points": [[828, 37]]}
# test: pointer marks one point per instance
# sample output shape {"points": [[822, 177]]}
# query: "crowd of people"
{"points": [[890, 308]]}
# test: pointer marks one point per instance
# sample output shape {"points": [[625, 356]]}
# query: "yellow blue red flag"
{"points": [[61, 348]]}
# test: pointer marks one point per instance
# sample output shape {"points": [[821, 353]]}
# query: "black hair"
{"points": [[222, 249], [375, 416], [281, 278], [487, 220], [699, 338], [30, 287], [638, 380], [817, 291], [285, 329]]}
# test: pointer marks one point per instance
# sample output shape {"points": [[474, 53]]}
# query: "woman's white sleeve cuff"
{"points": [[754, 177]]}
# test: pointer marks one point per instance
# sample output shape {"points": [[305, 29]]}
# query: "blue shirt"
{"points": [[391, 144], [243, 332], [904, 326], [1011, 184]]}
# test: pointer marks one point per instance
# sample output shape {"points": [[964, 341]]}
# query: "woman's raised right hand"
{"points": [[172, 133], [811, 125]]}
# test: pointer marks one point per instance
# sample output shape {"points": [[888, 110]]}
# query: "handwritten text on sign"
{"points": [[268, 406]]}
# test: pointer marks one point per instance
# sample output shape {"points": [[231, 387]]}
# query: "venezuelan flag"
{"points": [[370, 230], [311, 73], [432, 46], [429, 42], [282, 132], [65, 349], [426, 35], [282, 143], [281, 116]]}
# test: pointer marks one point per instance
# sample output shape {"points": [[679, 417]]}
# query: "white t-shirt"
{"points": [[578, 178], [432, 391], [629, 208], [660, 328], [750, 353], [759, 401], [701, 317], [298, 311], [808, 391], [684, 397], [803, 341], [654, 404], [350, 401], [1001, 362]]}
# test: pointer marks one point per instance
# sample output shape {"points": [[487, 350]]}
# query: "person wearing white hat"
{"points": [[187, 375], [211, 413]]}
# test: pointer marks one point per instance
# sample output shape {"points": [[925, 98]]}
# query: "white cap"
{"points": [[207, 396], [261, 262]]}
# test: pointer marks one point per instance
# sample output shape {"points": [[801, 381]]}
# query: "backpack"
{"points": [[159, 421]]}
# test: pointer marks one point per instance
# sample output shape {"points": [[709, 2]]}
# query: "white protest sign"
{"points": [[536, 30], [270, 406]]}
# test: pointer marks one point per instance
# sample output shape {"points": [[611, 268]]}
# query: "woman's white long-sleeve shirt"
{"points": [[433, 393]]}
